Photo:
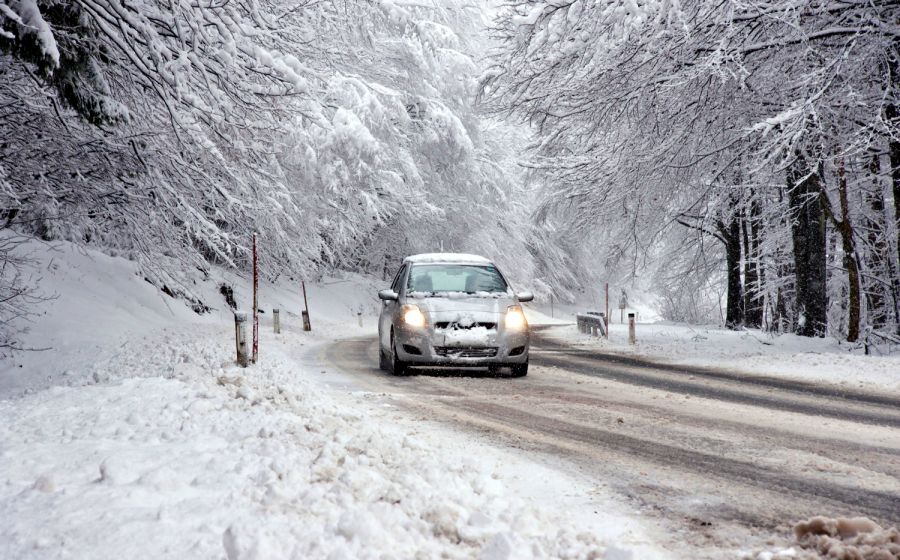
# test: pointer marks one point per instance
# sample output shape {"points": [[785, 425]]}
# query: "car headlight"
{"points": [[413, 316], [515, 318]]}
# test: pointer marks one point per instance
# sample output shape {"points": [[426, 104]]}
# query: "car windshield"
{"points": [[434, 279]]}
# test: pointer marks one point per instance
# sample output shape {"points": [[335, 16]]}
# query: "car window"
{"points": [[395, 285], [450, 278]]}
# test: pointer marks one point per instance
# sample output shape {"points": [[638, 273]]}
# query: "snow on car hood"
{"points": [[449, 304]]}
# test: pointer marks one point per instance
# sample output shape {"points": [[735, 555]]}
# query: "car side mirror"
{"points": [[524, 297], [388, 295]]}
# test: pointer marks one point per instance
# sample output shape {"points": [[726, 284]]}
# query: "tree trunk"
{"points": [[808, 232], [894, 153], [731, 234], [747, 290], [753, 309], [783, 312], [851, 263], [879, 291], [892, 116]]}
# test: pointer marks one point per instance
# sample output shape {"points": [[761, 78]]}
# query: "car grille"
{"points": [[451, 325], [465, 351]]}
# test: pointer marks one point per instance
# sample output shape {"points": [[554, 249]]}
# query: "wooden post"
{"points": [[276, 321], [305, 313], [551, 306], [631, 337], [606, 316], [240, 337], [255, 305]]}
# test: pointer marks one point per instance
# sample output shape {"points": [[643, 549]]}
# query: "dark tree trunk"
{"points": [[731, 234], [756, 231], [878, 259], [892, 116], [783, 312], [747, 290], [808, 232], [753, 308], [845, 228]]}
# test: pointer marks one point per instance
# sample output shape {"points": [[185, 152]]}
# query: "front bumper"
{"points": [[429, 346]]}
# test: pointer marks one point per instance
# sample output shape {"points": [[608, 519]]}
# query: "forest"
{"points": [[739, 160]]}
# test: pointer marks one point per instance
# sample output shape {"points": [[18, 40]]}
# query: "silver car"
{"points": [[452, 310]]}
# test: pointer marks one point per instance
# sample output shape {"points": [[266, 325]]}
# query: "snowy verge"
{"points": [[97, 305], [212, 460], [750, 352]]}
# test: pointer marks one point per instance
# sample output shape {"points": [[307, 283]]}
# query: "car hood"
{"points": [[454, 308]]}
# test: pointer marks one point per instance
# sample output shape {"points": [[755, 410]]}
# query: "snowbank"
{"points": [[207, 459]]}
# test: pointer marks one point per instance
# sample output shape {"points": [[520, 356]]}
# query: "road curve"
{"points": [[721, 462]]}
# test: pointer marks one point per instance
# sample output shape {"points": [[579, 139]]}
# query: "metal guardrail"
{"points": [[592, 322]]}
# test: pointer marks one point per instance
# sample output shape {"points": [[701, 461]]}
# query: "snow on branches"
{"points": [[768, 127], [342, 133]]}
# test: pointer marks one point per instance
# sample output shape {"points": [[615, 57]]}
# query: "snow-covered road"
{"points": [[724, 464]]}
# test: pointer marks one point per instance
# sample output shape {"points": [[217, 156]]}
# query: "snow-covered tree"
{"points": [[739, 121], [342, 133]]}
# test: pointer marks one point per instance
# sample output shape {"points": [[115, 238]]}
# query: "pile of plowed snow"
{"points": [[856, 538]]}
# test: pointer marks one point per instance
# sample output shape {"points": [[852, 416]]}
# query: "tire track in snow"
{"points": [[791, 397], [884, 506], [544, 345]]}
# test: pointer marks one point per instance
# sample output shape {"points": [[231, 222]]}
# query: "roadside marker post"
{"points": [[276, 321], [305, 312], [255, 305], [631, 336], [606, 311], [240, 337]]}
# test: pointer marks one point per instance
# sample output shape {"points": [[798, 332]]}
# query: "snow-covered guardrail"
{"points": [[592, 322]]}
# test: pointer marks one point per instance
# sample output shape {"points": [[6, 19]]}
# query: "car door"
{"points": [[388, 310]]}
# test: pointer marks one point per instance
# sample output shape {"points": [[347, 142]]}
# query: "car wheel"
{"points": [[398, 366], [519, 370]]}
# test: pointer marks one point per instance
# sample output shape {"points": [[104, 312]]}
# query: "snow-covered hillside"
{"points": [[96, 307]]}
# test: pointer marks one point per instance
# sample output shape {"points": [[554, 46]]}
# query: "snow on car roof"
{"points": [[446, 258]]}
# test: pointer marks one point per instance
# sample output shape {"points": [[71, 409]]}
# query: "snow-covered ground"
{"points": [[751, 351], [137, 436]]}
